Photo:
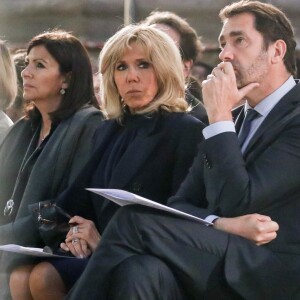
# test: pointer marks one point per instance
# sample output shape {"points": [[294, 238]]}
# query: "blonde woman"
{"points": [[146, 147], [8, 87]]}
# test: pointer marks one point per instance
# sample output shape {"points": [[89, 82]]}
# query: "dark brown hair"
{"points": [[73, 60], [190, 45], [271, 22]]}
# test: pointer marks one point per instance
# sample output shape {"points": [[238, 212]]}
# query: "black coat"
{"points": [[153, 166]]}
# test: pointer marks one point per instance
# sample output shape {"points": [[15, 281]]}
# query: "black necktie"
{"points": [[250, 115]]}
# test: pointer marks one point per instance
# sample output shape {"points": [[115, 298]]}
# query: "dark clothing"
{"points": [[40, 176], [155, 280], [207, 263], [197, 108], [53, 170], [222, 181], [153, 163], [149, 155]]}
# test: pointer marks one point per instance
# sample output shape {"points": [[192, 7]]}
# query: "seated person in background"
{"points": [[8, 88], [17, 109], [200, 70], [195, 88], [190, 47], [256, 170], [146, 147], [43, 152]]}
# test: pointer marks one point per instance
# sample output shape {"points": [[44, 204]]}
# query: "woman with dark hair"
{"points": [[44, 151]]}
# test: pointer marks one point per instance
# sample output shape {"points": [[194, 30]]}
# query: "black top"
{"points": [[132, 126]]}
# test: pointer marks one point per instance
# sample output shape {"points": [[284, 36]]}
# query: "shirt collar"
{"points": [[265, 106]]}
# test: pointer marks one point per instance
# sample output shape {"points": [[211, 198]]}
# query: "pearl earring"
{"points": [[62, 91]]}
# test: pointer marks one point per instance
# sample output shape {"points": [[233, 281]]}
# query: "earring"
{"points": [[62, 91]]}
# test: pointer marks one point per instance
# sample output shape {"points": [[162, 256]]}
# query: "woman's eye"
{"points": [[121, 67], [40, 65], [144, 65]]}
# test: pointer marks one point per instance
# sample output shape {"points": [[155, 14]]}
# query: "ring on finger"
{"points": [[75, 229], [75, 241]]}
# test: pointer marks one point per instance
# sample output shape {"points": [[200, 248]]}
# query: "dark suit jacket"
{"points": [[266, 179], [153, 166]]}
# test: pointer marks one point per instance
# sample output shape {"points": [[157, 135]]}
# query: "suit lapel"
{"points": [[274, 123]]}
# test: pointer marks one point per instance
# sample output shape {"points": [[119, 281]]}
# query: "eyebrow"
{"points": [[36, 59], [138, 60], [232, 34]]}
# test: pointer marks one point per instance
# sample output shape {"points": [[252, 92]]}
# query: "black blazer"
{"points": [[266, 179], [153, 166]]}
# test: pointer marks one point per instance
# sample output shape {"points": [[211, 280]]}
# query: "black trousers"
{"points": [[206, 263]]}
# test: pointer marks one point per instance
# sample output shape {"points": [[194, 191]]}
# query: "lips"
{"points": [[26, 85], [133, 92]]}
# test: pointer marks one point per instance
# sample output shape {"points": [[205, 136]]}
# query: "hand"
{"points": [[86, 230], [220, 92], [78, 247], [255, 227]]}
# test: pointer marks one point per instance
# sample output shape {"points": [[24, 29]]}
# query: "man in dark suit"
{"points": [[256, 170]]}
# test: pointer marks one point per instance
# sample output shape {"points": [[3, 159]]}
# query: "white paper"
{"points": [[29, 251], [122, 198]]}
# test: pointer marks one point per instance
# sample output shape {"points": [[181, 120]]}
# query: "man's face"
{"points": [[175, 36], [243, 46]]}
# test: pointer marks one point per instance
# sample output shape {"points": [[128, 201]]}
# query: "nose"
{"points": [[226, 54], [26, 72], [132, 74]]}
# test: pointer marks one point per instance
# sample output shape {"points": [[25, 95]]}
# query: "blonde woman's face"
{"points": [[135, 78]]}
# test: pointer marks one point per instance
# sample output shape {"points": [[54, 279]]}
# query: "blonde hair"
{"points": [[165, 58], [8, 77]]}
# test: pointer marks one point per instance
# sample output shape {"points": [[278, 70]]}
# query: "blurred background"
{"points": [[93, 21]]}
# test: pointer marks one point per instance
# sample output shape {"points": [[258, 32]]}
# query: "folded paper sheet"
{"points": [[122, 198]]}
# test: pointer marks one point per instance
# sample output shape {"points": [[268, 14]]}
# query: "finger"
{"points": [[218, 72], [248, 88], [267, 238], [210, 76], [262, 217], [268, 226], [85, 248], [77, 246], [64, 247], [74, 248], [227, 68], [78, 220]]}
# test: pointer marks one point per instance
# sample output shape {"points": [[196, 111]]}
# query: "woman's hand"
{"points": [[82, 238], [255, 227]]}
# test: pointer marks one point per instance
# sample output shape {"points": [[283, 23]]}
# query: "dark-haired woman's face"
{"points": [[42, 80], [135, 78]]}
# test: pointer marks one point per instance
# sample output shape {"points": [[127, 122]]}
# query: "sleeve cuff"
{"points": [[217, 128], [211, 218]]}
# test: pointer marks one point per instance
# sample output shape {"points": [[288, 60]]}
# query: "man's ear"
{"points": [[278, 51], [187, 65]]}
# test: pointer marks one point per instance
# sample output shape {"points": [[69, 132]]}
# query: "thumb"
{"points": [[263, 218], [246, 89]]}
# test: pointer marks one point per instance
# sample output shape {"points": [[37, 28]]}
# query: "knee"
{"points": [[18, 275], [40, 277], [19, 280], [142, 274]]}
